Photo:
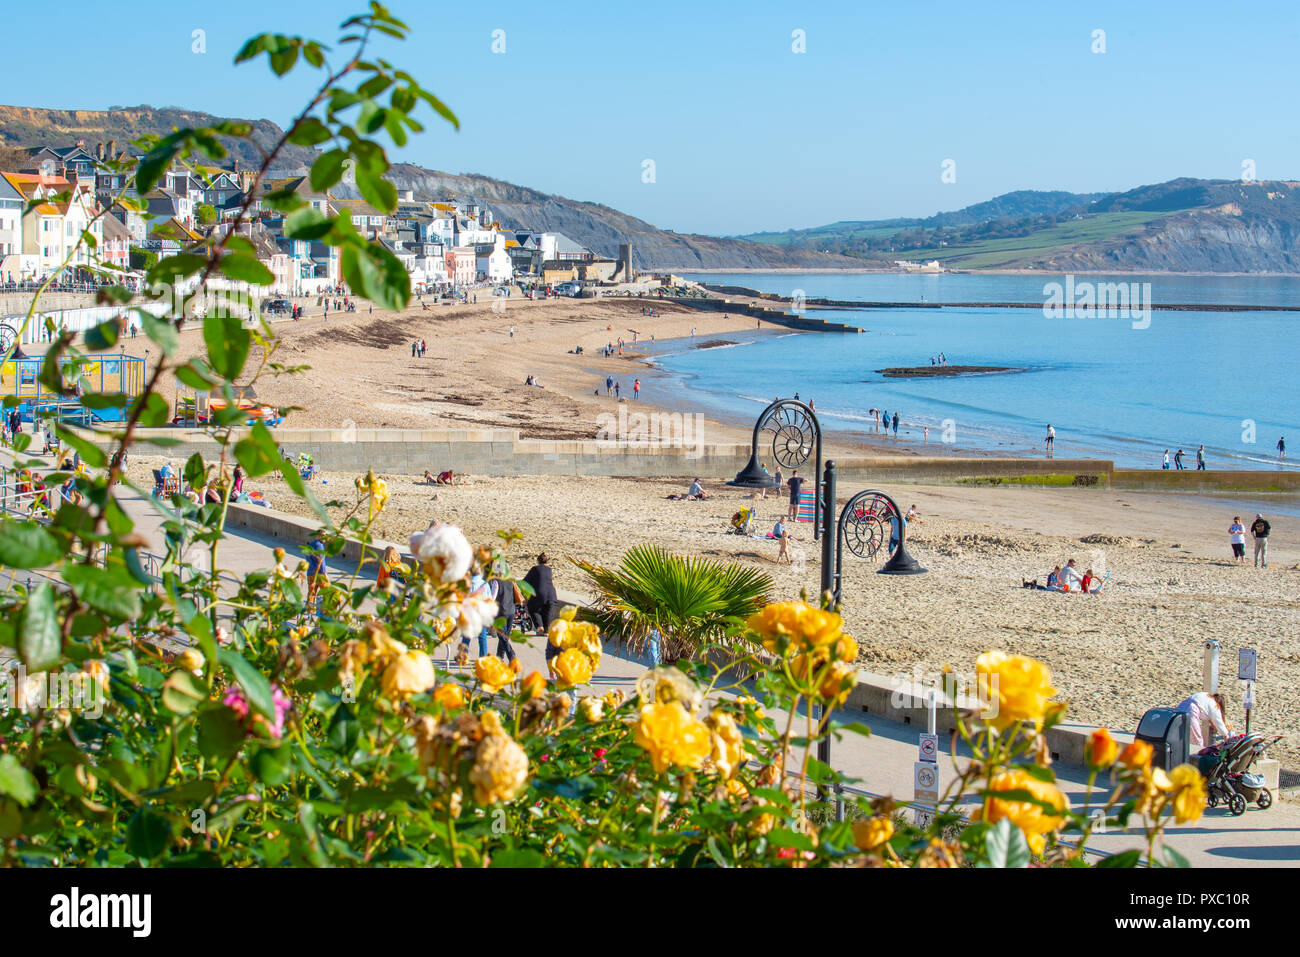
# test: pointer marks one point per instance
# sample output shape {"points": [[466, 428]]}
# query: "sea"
{"points": [[1124, 388]]}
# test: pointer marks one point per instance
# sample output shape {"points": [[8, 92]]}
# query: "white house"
{"points": [[493, 262], [12, 202]]}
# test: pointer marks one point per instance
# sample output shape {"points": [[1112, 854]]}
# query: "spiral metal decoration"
{"points": [[8, 334], [794, 432], [867, 524]]}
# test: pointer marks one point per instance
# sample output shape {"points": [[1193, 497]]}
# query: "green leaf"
{"points": [[344, 728], [782, 837], [228, 343], [273, 767], [245, 268], [376, 274], [310, 132], [255, 684], [219, 733], [308, 223], [167, 271], [1176, 859], [39, 640], [16, 781], [159, 330], [258, 453], [103, 336], [195, 471], [1127, 858], [377, 191], [156, 162], [517, 858], [327, 171], [147, 834], [1005, 846], [90, 453], [182, 692], [156, 412], [111, 590], [196, 375], [27, 545]]}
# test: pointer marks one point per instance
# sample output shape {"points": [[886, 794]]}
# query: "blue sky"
{"points": [[745, 134]]}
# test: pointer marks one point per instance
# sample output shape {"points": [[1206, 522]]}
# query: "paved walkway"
{"points": [[881, 762]]}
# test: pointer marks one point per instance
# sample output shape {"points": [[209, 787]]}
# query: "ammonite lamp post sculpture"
{"points": [[796, 436]]}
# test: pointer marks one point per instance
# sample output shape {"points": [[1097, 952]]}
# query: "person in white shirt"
{"points": [[1205, 715], [1237, 538], [1070, 575]]}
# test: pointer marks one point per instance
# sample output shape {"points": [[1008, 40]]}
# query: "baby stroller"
{"points": [[1227, 770], [742, 522]]}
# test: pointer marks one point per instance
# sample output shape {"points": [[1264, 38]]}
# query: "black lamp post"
{"points": [[796, 435], [866, 521]]}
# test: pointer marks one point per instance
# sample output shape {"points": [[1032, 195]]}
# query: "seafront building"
{"points": [[444, 244]]}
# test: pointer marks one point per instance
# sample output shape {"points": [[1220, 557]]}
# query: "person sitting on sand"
{"points": [[447, 478], [1070, 576], [696, 492], [429, 479], [1053, 581], [914, 515]]}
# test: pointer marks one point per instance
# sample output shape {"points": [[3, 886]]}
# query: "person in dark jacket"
{"points": [[541, 606], [508, 597]]}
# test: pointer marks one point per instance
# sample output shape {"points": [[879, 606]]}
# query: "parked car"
{"points": [[277, 306]]}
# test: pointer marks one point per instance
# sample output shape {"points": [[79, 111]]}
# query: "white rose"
{"points": [[445, 549]]}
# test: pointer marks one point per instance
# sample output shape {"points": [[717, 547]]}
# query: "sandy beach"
{"points": [[1136, 646]]}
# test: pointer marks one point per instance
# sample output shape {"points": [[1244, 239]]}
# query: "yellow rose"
{"points": [[838, 683], [352, 657], [500, 769], [797, 621], [1189, 793], [613, 699], [846, 649], [568, 613], [409, 673], [191, 661], [1101, 749], [383, 650], [493, 673], [591, 709], [97, 670], [557, 632], [1150, 787], [533, 685], [1012, 688], [671, 736], [572, 667], [727, 744], [490, 723], [1033, 820], [451, 696], [871, 832], [1136, 755]]}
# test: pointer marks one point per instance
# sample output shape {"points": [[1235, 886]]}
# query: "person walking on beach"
{"points": [[795, 484], [1281, 447], [617, 389], [508, 598], [1200, 459], [636, 389], [541, 606], [1165, 464], [415, 347], [762, 493], [609, 383], [1237, 538], [1051, 437], [895, 425], [884, 420], [1178, 460], [1259, 529], [780, 477]]}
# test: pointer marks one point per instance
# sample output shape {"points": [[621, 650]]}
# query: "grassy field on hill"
{"points": [[997, 252]]}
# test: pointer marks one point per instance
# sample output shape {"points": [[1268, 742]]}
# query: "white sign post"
{"points": [[1211, 666], [1248, 671], [925, 772]]}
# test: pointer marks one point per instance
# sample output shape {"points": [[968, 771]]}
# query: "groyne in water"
{"points": [[823, 303]]}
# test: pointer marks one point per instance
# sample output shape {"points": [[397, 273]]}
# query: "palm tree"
{"points": [[690, 600]]}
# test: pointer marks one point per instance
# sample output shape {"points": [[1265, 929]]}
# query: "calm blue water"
{"points": [[1221, 379]]}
